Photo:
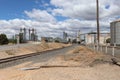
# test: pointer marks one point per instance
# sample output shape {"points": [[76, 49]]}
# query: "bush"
{"points": [[108, 40], [14, 41], [57, 41], [3, 39]]}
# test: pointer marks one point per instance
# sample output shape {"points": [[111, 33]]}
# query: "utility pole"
{"points": [[97, 17]]}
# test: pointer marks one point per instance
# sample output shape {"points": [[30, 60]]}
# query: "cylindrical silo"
{"points": [[115, 32]]}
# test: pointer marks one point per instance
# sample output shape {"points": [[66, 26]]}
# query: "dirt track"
{"points": [[91, 66], [30, 49]]}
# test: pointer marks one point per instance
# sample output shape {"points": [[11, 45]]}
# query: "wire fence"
{"points": [[111, 50]]}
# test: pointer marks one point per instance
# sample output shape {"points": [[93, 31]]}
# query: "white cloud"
{"points": [[12, 27], [40, 15], [75, 8], [85, 9], [47, 28], [81, 13]]}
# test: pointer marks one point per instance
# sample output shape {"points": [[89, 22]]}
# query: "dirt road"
{"points": [[45, 56], [81, 64]]}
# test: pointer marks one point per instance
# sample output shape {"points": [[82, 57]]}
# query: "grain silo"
{"points": [[115, 32]]}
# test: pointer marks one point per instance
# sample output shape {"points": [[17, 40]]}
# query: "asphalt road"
{"points": [[39, 58]]}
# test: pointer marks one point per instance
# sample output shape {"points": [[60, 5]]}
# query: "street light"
{"points": [[97, 17]]}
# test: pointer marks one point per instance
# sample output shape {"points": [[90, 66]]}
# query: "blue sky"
{"points": [[10, 9], [52, 17]]}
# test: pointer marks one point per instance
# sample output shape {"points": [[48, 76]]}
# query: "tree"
{"points": [[13, 41], [3, 39], [57, 41], [108, 40], [21, 37]]}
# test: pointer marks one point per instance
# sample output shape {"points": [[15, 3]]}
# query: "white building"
{"points": [[92, 38]]}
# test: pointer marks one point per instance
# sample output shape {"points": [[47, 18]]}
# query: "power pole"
{"points": [[97, 17]]}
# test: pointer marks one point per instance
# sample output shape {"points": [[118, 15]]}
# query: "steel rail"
{"points": [[15, 58]]}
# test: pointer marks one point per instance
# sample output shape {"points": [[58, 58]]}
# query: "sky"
{"points": [[52, 17]]}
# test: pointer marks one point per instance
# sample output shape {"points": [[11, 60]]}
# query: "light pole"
{"points": [[97, 17]]}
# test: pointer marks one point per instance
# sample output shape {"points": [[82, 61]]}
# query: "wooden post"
{"points": [[97, 18]]}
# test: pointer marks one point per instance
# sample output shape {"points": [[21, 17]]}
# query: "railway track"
{"points": [[11, 60]]}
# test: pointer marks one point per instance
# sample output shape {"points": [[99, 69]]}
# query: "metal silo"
{"points": [[115, 32]]}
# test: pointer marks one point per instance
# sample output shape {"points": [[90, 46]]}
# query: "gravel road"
{"points": [[39, 58]]}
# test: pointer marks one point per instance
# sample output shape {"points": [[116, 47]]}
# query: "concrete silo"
{"points": [[115, 32]]}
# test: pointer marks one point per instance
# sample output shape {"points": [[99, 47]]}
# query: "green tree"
{"points": [[108, 40], [57, 41], [3, 39], [13, 41]]}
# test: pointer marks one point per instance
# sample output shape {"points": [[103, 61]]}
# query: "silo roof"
{"points": [[116, 21]]}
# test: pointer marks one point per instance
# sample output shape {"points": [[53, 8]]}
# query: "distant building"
{"points": [[22, 35], [115, 32], [65, 35], [47, 39], [92, 38], [89, 38], [60, 40], [78, 36], [32, 35]]}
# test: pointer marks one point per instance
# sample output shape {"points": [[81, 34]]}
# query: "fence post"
{"points": [[94, 46], [113, 50], [106, 49], [101, 48], [97, 45]]}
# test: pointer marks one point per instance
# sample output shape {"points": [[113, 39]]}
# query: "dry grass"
{"points": [[80, 49], [44, 45], [10, 52], [32, 49], [85, 56]]}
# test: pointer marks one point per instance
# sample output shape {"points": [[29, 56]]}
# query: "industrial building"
{"points": [[23, 38], [115, 32], [65, 35], [92, 38], [47, 39], [79, 37], [33, 35], [22, 35]]}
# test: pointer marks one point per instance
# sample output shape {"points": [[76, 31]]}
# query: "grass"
{"points": [[10, 52]]}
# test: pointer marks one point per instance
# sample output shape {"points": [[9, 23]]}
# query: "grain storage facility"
{"points": [[115, 32]]}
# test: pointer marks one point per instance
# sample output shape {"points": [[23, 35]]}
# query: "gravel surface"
{"points": [[39, 58], [81, 64]]}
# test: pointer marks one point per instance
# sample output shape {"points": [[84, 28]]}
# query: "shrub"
{"points": [[3, 39], [108, 40]]}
